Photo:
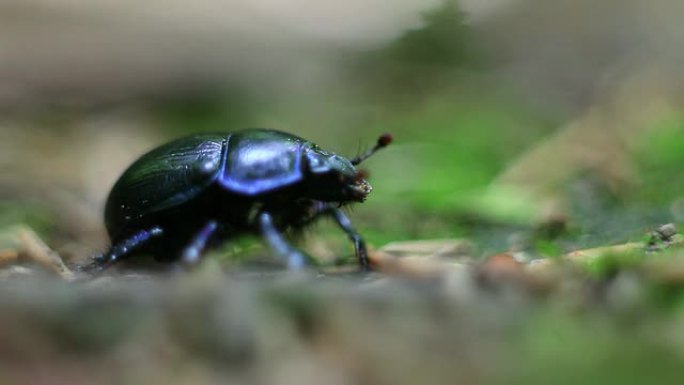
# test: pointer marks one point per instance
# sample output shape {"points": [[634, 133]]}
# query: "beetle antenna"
{"points": [[359, 151], [383, 141]]}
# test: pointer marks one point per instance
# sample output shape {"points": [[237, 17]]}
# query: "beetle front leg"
{"points": [[323, 208], [192, 253], [121, 249], [294, 258], [359, 244]]}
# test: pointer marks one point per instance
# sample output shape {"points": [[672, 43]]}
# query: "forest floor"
{"points": [[429, 313]]}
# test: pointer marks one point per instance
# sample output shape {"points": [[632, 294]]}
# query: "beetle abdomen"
{"points": [[163, 178]]}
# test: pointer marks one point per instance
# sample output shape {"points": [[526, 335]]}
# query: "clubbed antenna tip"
{"points": [[383, 141]]}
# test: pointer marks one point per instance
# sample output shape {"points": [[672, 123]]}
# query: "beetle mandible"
{"points": [[181, 197]]}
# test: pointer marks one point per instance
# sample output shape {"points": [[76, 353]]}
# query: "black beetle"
{"points": [[180, 197]]}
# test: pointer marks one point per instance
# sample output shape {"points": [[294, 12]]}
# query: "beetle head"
{"points": [[333, 178]]}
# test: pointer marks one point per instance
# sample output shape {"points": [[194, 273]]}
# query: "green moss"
{"points": [[660, 159]]}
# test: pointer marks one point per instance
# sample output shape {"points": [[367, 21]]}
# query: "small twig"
{"points": [[412, 267], [35, 250], [8, 257], [597, 252]]}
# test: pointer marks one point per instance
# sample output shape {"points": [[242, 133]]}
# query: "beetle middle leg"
{"points": [[294, 258], [193, 251], [122, 249]]}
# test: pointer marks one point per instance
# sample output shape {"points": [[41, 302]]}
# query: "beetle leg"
{"points": [[343, 221], [295, 259], [359, 244], [122, 249], [192, 253]]}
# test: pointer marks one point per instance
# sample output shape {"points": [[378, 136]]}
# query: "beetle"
{"points": [[181, 197]]}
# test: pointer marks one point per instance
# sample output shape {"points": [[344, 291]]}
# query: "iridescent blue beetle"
{"points": [[182, 197]]}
